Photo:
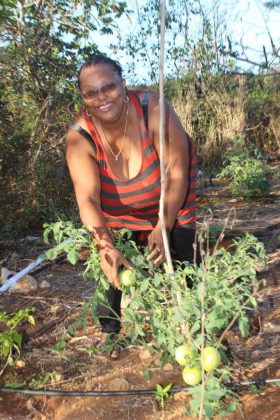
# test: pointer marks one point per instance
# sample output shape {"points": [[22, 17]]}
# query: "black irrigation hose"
{"points": [[66, 393], [44, 267]]}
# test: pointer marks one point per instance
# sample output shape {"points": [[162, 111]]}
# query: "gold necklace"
{"points": [[116, 156]]}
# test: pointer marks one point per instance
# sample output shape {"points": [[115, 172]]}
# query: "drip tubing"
{"points": [[49, 264], [57, 392]]}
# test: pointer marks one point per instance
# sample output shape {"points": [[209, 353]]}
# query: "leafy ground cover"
{"points": [[78, 366]]}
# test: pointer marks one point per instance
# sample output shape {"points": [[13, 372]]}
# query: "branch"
{"points": [[162, 160]]}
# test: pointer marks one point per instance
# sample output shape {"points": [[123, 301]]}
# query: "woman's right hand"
{"points": [[111, 260]]}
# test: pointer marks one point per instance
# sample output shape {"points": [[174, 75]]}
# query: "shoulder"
{"points": [[77, 123], [79, 120], [78, 135]]}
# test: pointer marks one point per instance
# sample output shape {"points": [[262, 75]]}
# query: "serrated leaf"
{"points": [[243, 325], [72, 257], [51, 254]]}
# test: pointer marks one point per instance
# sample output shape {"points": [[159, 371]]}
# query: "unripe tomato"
{"points": [[127, 277], [192, 376], [184, 353], [211, 359]]}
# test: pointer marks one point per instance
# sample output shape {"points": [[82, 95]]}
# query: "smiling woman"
{"points": [[113, 157]]}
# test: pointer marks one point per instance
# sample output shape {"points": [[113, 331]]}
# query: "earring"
{"points": [[88, 114], [126, 99]]}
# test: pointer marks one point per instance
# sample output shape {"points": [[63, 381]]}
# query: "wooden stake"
{"points": [[163, 172]]}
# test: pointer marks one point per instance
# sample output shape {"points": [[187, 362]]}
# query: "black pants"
{"points": [[181, 249]]}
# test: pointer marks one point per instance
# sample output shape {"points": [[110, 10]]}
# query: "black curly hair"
{"points": [[100, 59]]}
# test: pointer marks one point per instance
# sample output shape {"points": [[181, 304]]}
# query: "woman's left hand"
{"points": [[156, 247]]}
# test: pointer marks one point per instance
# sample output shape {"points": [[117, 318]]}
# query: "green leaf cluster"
{"points": [[247, 176], [10, 338], [225, 280]]}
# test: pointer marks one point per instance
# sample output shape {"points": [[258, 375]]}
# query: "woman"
{"points": [[114, 165]]}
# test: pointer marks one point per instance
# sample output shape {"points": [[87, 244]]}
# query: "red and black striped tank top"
{"points": [[134, 203]]}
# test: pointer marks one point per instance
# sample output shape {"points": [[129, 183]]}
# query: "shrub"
{"points": [[246, 175]]}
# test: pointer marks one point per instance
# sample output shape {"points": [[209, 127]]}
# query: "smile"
{"points": [[106, 107]]}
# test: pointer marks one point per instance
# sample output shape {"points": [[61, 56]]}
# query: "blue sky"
{"points": [[248, 23]]}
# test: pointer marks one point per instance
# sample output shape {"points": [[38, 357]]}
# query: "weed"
{"points": [[10, 338], [247, 176], [162, 394]]}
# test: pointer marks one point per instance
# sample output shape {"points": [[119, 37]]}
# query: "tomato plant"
{"points": [[224, 286], [10, 338]]}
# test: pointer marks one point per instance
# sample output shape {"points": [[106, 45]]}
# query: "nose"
{"points": [[101, 94]]}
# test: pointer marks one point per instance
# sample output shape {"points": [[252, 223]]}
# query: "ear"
{"points": [[124, 84]]}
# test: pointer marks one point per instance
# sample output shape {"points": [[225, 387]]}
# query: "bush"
{"points": [[247, 176]]}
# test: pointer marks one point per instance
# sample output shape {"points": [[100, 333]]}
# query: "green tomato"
{"points": [[211, 359], [184, 354], [127, 277], [192, 376]]}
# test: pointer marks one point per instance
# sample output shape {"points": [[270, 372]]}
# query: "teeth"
{"points": [[105, 107]]}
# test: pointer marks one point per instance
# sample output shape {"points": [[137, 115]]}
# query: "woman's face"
{"points": [[103, 92]]}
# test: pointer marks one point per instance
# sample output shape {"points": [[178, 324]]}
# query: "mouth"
{"points": [[105, 107]]}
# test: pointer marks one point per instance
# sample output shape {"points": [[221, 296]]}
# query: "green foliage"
{"points": [[225, 281], [246, 175], [162, 394], [10, 338], [51, 377], [42, 47], [217, 398]]}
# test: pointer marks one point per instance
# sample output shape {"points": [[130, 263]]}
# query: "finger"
{"points": [[127, 264], [151, 243], [114, 276], [155, 252], [160, 259]]}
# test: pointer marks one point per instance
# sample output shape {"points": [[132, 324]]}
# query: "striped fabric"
{"points": [[134, 204]]}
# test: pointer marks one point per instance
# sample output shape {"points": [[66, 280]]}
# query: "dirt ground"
{"points": [[80, 367]]}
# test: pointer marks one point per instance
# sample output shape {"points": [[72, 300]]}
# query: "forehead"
{"points": [[96, 74]]}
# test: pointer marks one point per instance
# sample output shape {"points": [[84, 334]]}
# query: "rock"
{"points": [[168, 367], [118, 384], [20, 363], [144, 354], [180, 396], [24, 284], [44, 285]]}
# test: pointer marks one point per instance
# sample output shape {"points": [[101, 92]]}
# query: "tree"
{"points": [[42, 46]]}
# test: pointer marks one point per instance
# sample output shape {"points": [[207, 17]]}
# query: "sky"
{"points": [[248, 23]]}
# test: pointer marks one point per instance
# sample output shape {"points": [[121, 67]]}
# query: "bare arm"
{"points": [[86, 181]]}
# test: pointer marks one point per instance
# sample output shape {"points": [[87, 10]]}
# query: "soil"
{"points": [[79, 366]]}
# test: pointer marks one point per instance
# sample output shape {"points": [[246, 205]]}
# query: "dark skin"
{"points": [[110, 110]]}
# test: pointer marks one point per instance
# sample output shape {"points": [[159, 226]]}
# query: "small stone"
{"points": [[168, 367], [144, 354], [180, 396], [20, 364], [26, 283], [118, 384], [44, 285]]}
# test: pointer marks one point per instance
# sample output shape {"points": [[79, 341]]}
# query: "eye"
{"points": [[90, 94], [108, 88]]}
